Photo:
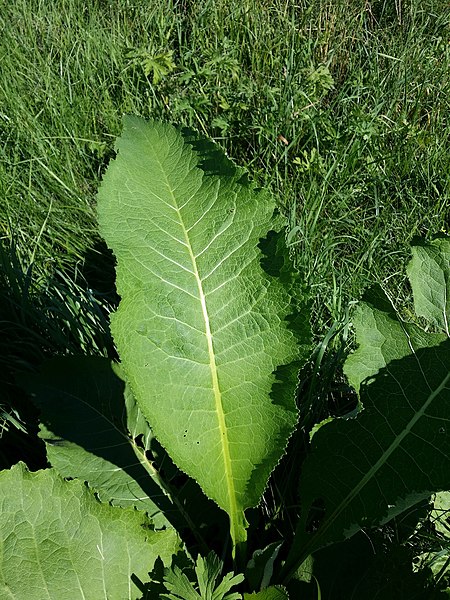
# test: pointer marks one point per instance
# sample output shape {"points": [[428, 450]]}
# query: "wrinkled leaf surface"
{"points": [[202, 326], [57, 541]]}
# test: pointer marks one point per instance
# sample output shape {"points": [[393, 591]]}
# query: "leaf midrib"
{"points": [[236, 531]]}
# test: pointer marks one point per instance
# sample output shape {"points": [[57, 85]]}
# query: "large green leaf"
{"points": [[58, 542], [365, 470], [109, 445], [382, 336], [202, 326]]}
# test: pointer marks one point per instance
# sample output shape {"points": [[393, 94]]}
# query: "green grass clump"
{"points": [[62, 317], [341, 108]]}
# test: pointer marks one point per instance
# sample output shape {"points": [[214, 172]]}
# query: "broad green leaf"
{"points": [[382, 337], [202, 327], [58, 542], [363, 471], [89, 425]]}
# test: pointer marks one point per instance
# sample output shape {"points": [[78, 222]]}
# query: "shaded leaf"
{"points": [[273, 593], [260, 567], [90, 425], [394, 453], [366, 567], [208, 571], [363, 471]]}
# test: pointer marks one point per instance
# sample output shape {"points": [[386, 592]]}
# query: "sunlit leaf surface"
{"points": [[57, 541], [202, 326]]}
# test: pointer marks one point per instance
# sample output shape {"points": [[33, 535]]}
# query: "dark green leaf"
{"points": [[363, 471]]}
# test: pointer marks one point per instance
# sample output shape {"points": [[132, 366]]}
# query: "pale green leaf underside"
{"points": [[397, 450], [201, 326], [58, 542]]}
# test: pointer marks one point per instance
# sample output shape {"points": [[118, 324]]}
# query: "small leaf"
{"points": [[260, 568], [272, 593], [429, 273], [160, 65], [178, 583], [207, 571]]}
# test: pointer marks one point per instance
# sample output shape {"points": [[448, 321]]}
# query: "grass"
{"points": [[342, 108], [359, 92]]}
